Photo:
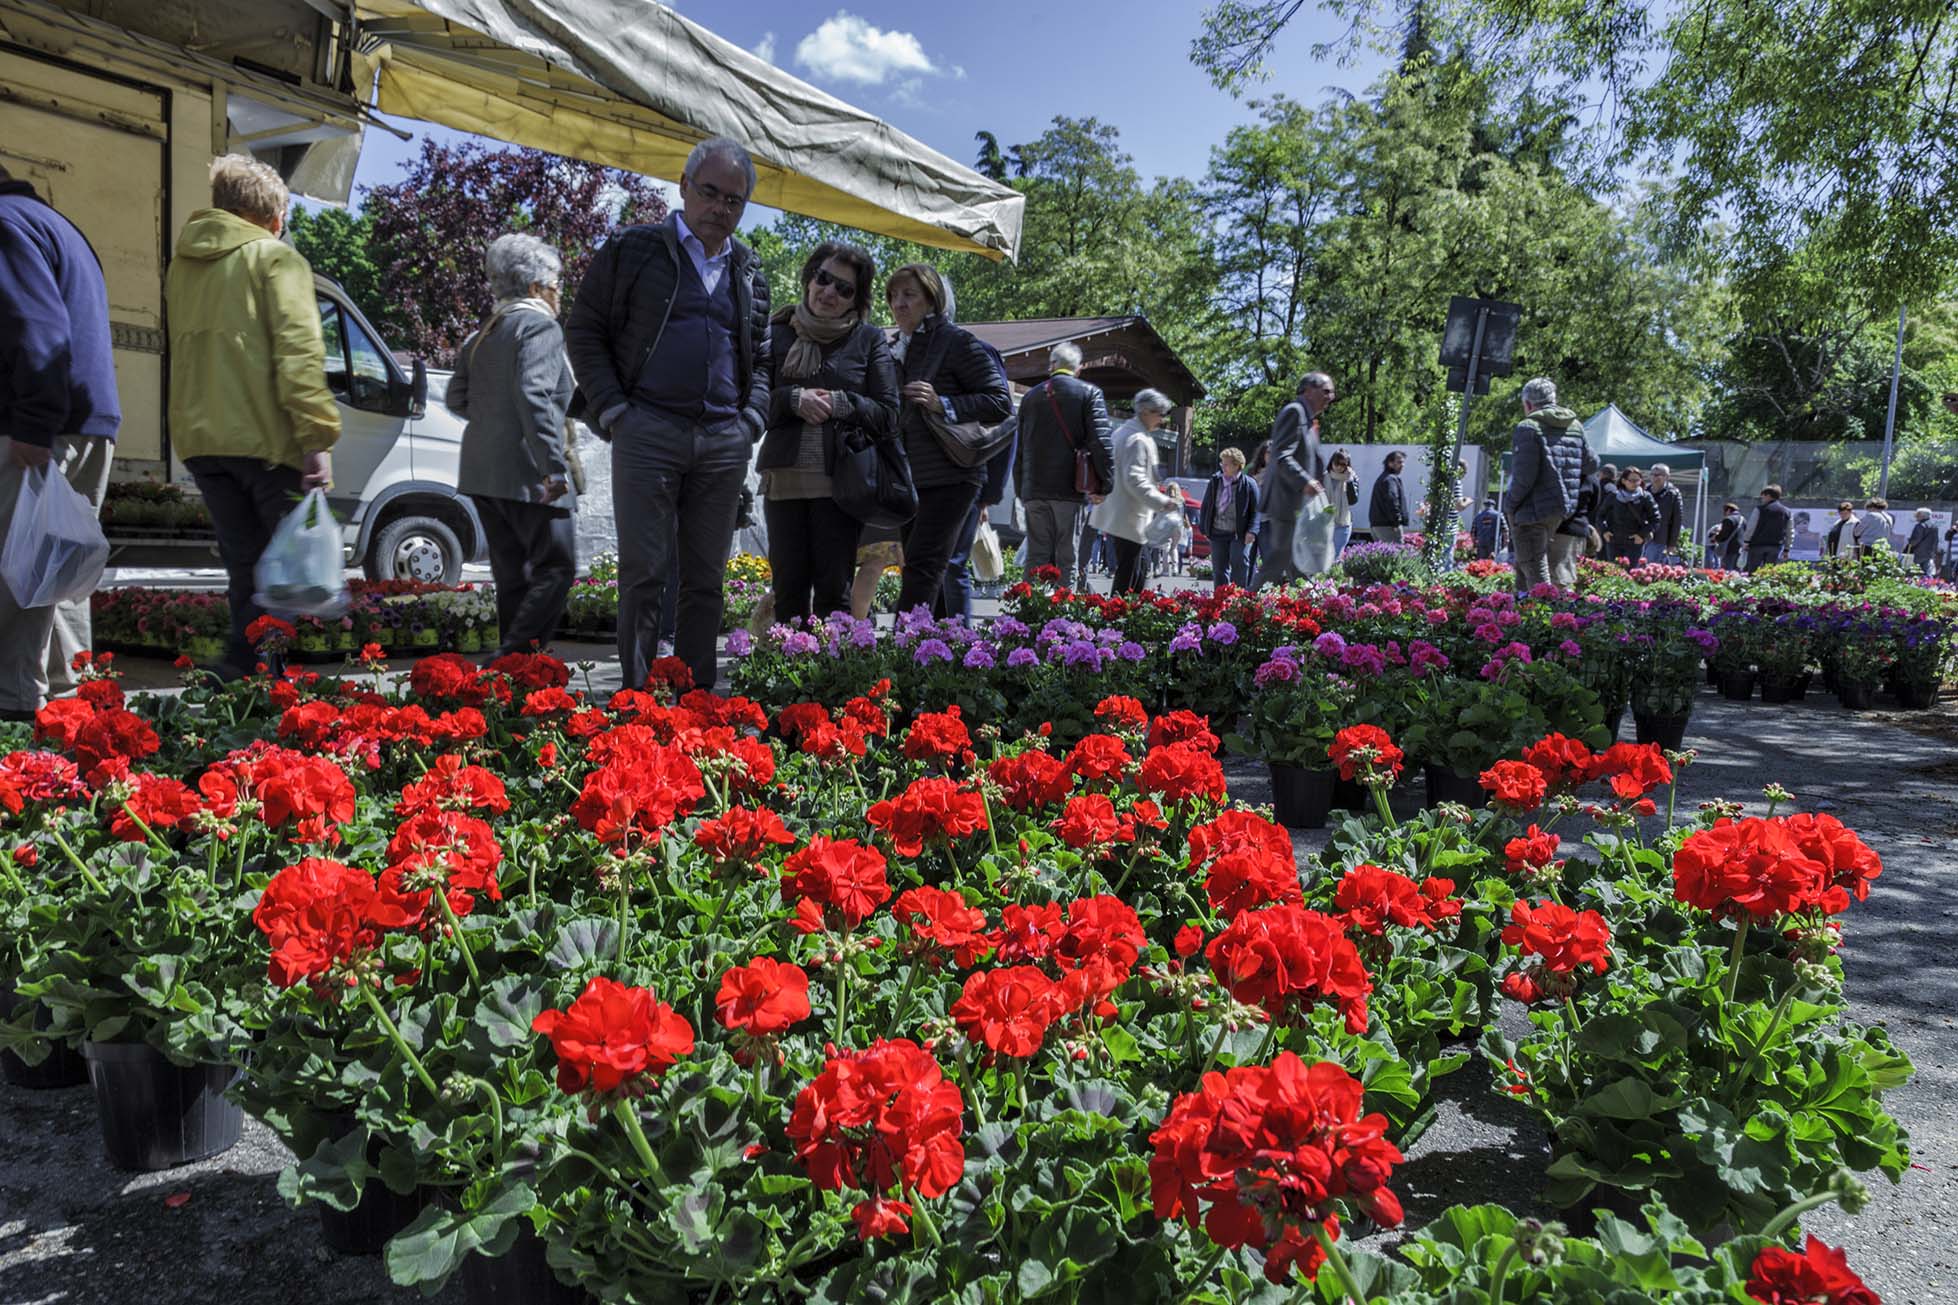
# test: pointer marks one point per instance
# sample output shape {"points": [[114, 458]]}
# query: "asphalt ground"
{"points": [[74, 1230]]}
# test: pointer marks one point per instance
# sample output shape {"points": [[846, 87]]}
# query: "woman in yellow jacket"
{"points": [[250, 412]]}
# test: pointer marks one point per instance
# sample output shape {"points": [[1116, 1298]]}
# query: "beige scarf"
{"points": [[805, 356]]}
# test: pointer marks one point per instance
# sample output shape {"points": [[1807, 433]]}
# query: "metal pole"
{"points": [[1461, 431], [1890, 419]]}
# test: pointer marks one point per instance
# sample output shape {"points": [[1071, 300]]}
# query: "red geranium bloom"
{"points": [[310, 794], [1183, 727], [1028, 933], [448, 677], [1564, 940], [547, 702], [1234, 829], [100, 693], [1188, 941], [869, 717], [1245, 878], [460, 847], [1284, 958], [1120, 713], [1102, 939], [1031, 779], [931, 808], [270, 631], [763, 997], [880, 1118], [1089, 821], [158, 801], [1008, 1010], [1632, 769], [1535, 850], [1269, 1149], [751, 768], [742, 837], [61, 720], [109, 741], [315, 915], [878, 1217], [1848, 861], [37, 777], [1100, 757], [942, 923], [839, 876], [1182, 772], [641, 791], [938, 738], [798, 718], [1517, 785], [1820, 1275], [531, 670], [670, 673], [454, 785], [1365, 752], [612, 1036], [1564, 762], [1372, 898], [1752, 867]]}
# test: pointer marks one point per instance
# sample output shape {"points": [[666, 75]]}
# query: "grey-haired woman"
{"points": [[512, 384]]}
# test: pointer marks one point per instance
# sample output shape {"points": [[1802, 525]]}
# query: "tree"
{"points": [[992, 163], [428, 231], [335, 242]]}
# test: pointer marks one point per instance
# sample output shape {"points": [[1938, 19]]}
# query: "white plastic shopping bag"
{"points": [[55, 548], [988, 563], [1312, 541], [300, 573]]}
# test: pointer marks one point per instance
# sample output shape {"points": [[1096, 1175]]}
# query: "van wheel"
{"points": [[415, 548]]}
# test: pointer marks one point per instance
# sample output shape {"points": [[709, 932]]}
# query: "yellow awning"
{"points": [[632, 84]]}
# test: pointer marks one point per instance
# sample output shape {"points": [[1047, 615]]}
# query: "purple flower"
{"points": [[1570, 648], [1007, 627], [1706, 640], [1330, 644], [979, 657], [1363, 657], [1185, 642], [740, 643], [1081, 653], [1490, 633], [1131, 651], [1020, 658], [1279, 670], [800, 643], [931, 650], [863, 635], [1222, 632], [1423, 656]]}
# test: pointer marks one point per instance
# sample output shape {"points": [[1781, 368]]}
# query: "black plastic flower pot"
{"points": [[520, 1276], [1350, 795], [62, 1068], [1780, 688], [375, 1219], [156, 1115], [1712, 676], [1855, 695], [1613, 721], [1669, 732], [1916, 696], [1300, 798], [1445, 785], [1737, 686]]}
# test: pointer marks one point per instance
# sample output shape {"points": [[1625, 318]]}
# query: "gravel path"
{"points": [[72, 1230]]}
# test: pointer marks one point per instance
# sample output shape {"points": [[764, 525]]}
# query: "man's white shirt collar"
{"points": [[710, 266]]}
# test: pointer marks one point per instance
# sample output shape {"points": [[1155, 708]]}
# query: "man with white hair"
{"points": [[1293, 473], [1922, 546], [1664, 544], [668, 337], [250, 411], [1061, 419], [1550, 460]]}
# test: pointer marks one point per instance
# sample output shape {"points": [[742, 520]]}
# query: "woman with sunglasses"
{"points": [[833, 371]]}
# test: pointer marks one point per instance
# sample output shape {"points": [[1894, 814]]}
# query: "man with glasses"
{"points": [[1293, 476], [668, 338]]}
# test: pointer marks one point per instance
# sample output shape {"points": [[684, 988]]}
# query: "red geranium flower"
{"points": [[640, 792], [531, 670], [834, 880], [1535, 851], [943, 924], [1237, 828], [1028, 933], [878, 1217], [547, 702], [1632, 769], [938, 738], [37, 777], [1120, 713], [1182, 772], [1008, 1010], [310, 794], [1849, 862], [316, 916], [613, 1037], [1031, 779], [1371, 898], [271, 633], [158, 801], [1102, 939], [454, 785], [1365, 752], [880, 1118], [1517, 785], [1563, 761], [459, 848], [1089, 822], [1820, 1275], [763, 997], [1100, 757], [1269, 1149], [1561, 941], [932, 808], [742, 837], [1285, 958], [109, 741], [1246, 878], [1754, 868], [1183, 727]]}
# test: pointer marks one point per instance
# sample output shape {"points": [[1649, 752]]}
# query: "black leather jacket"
{"points": [[861, 377], [1046, 466], [622, 306], [961, 369]]}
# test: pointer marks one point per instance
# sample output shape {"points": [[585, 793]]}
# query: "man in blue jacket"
{"points": [[58, 416]]}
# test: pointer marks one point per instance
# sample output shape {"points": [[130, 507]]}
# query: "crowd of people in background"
{"points": [[875, 447]]}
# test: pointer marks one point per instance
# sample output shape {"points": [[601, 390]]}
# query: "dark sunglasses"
{"points": [[847, 289]]}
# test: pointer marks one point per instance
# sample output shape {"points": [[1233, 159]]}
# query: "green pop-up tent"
{"points": [[1617, 439]]}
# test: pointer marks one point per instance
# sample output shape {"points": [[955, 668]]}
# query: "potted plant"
{"points": [[1295, 710], [1666, 673]]}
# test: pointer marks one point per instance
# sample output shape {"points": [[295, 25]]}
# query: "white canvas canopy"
{"points": [[633, 84]]}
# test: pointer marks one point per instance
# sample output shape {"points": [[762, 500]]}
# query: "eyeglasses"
{"points": [[847, 289], [720, 198]]}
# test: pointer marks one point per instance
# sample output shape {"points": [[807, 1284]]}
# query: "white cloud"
{"points": [[765, 48], [848, 49]]}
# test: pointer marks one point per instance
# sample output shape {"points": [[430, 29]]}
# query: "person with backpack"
{"points": [[1550, 462], [1484, 530], [1064, 457], [1723, 545]]}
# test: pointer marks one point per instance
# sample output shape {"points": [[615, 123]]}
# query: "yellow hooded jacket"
{"points": [[247, 365]]}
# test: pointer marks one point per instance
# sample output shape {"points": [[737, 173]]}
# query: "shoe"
{"points": [[16, 714]]}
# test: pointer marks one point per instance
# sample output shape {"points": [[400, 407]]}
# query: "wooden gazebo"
{"points": [[1122, 355]]}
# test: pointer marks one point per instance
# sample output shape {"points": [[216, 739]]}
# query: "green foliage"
{"points": [[335, 242]]}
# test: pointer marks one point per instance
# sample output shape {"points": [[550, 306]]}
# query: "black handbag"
{"points": [[872, 479]]}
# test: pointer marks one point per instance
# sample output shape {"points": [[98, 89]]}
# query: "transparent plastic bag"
{"points": [[301, 573], [55, 548], [1312, 541], [988, 562]]}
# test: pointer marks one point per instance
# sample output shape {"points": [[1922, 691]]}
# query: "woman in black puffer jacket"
{"points": [[944, 367], [1630, 517]]}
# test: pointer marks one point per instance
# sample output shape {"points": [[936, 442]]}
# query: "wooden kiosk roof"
{"points": [[1122, 355]]}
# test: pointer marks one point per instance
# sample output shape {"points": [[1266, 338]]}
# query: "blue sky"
{"points": [[943, 72]]}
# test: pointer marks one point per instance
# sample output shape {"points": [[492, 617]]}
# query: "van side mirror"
{"points": [[409, 398]]}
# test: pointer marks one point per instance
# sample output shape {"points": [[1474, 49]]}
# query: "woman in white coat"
{"points": [[1135, 499]]}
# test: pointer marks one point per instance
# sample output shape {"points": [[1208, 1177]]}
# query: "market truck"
{"points": [[117, 131]]}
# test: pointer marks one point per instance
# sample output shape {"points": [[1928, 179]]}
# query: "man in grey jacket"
{"points": [[668, 337], [1058, 416], [1293, 475], [1550, 461]]}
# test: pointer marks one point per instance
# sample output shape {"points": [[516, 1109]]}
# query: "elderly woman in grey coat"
{"points": [[512, 384], [1136, 498]]}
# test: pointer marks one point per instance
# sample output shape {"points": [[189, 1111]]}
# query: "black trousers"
{"points": [[1129, 569], [930, 540], [533, 553], [246, 498], [812, 551]]}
